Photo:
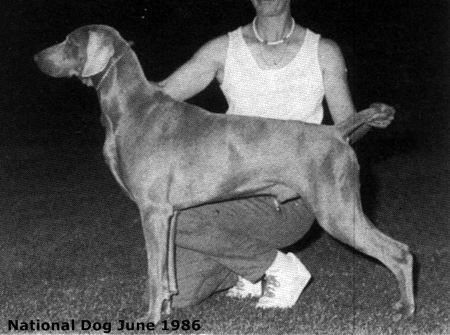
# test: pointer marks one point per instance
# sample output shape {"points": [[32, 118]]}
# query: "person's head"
{"points": [[271, 7]]}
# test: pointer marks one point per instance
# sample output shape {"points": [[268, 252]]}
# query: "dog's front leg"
{"points": [[155, 224], [171, 260]]}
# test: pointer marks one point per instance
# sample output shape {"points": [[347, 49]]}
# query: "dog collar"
{"points": [[111, 65]]}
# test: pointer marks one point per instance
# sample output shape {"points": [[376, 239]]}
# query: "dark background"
{"points": [[396, 52], [71, 245]]}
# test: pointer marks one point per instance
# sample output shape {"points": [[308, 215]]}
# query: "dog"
{"points": [[169, 155]]}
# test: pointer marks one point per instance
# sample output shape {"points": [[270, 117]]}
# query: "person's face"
{"points": [[270, 7]]}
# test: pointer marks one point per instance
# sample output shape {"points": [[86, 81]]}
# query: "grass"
{"points": [[71, 248]]}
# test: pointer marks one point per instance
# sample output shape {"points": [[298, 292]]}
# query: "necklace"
{"points": [[284, 39], [271, 60]]}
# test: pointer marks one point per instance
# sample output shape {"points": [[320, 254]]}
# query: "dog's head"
{"points": [[84, 53]]}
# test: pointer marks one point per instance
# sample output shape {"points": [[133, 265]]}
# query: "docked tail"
{"points": [[357, 125]]}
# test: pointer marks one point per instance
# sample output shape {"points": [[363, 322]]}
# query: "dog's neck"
{"points": [[119, 87]]}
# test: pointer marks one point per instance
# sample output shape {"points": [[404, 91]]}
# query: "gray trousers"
{"points": [[217, 242]]}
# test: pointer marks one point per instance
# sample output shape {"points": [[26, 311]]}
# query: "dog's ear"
{"points": [[98, 54]]}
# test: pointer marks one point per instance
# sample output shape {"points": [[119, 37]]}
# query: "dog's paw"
{"points": [[154, 318], [403, 310], [167, 307]]}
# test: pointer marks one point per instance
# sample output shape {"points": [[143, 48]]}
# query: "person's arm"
{"points": [[337, 92], [334, 72], [197, 73]]}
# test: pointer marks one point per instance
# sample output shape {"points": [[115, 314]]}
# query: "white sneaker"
{"points": [[284, 281], [245, 289]]}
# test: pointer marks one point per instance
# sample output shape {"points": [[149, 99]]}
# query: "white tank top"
{"points": [[293, 92]]}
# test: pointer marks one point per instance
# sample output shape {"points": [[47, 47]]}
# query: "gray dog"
{"points": [[170, 155]]}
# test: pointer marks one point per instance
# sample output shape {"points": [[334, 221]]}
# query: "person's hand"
{"points": [[383, 117]]}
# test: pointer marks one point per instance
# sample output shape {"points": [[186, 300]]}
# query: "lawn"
{"points": [[72, 248]]}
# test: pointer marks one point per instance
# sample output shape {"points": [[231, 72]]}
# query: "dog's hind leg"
{"points": [[336, 203], [357, 231], [155, 224]]}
